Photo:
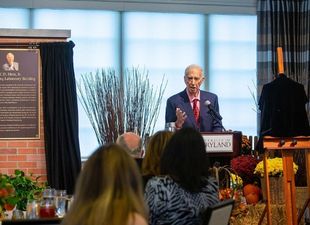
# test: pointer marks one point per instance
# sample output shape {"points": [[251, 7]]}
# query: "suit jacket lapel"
{"points": [[188, 109], [203, 107]]}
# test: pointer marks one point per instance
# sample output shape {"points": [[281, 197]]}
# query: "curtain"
{"points": [[286, 24], [63, 160]]}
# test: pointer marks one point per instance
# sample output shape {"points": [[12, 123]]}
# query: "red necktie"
{"points": [[196, 110]]}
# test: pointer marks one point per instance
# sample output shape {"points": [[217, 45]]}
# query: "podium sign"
{"points": [[218, 143], [223, 143]]}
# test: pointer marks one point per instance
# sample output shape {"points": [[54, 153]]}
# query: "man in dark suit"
{"points": [[180, 108], [10, 65]]}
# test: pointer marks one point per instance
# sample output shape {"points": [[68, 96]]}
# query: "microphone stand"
{"points": [[217, 120]]}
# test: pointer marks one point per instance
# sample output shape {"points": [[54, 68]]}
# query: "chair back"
{"points": [[218, 214]]}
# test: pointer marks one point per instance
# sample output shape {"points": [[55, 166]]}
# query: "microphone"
{"points": [[212, 110]]}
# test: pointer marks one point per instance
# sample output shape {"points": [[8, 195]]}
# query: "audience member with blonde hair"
{"points": [[108, 191], [153, 153]]}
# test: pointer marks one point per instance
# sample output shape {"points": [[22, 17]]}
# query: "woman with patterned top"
{"points": [[182, 195], [153, 153]]}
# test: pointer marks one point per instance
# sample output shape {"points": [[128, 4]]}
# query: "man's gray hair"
{"points": [[193, 66]]}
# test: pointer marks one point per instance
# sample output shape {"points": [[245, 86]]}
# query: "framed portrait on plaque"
{"points": [[19, 94]]}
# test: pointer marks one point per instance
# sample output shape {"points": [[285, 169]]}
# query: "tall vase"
{"points": [[276, 190]]}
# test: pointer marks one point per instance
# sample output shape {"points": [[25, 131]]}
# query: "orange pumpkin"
{"points": [[252, 198], [251, 188]]}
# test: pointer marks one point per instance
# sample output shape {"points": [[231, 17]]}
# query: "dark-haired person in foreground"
{"points": [[185, 191]]}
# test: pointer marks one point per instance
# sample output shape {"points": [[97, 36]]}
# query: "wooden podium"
{"points": [[287, 146]]}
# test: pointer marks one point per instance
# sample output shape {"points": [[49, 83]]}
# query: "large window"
{"points": [[14, 18], [232, 69], [164, 44], [96, 37]]}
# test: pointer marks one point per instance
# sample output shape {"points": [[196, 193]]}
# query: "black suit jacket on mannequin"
{"points": [[282, 106]]}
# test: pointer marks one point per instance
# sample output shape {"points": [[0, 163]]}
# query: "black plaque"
{"points": [[19, 94]]}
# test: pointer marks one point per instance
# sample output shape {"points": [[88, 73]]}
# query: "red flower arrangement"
{"points": [[244, 166]]}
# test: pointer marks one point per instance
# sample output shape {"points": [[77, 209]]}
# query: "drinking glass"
{"points": [[69, 201], [61, 200], [170, 126], [17, 214], [32, 209]]}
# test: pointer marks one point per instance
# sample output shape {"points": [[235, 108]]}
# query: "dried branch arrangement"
{"points": [[116, 103]]}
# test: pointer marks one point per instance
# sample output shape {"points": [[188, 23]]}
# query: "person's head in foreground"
{"points": [[108, 190], [185, 159]]}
